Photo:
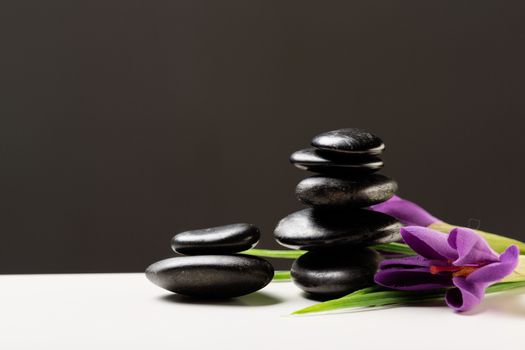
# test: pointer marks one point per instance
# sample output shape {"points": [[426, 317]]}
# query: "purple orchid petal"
{"points": [[466, 295], [428, 243], [461, 259], [471, 248], [406, 262], [408, 213], [496, 271], [411, 279]]}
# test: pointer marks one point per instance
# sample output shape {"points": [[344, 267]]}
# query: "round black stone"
{"points": [[318, 229], [226, 239], [211, 276], [352, 140], [332, 274], [354, 192], [317, 161]]}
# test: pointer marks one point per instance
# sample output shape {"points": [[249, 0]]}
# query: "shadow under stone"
{"points": [[253, 299]]}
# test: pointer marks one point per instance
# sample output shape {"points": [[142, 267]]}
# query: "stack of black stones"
{"points": [[337, 228], [211, 267]]}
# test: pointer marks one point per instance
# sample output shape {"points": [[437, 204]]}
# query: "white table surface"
{"points": [[125, 311]]}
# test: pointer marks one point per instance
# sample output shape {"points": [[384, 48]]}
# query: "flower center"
{"points": [[457, 271]]}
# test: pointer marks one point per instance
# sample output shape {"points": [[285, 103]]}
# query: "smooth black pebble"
{"points": [[317, 161], [332, 274], [352, 140], [211, 276], [352, 192], [317, 229], [226, 239]]}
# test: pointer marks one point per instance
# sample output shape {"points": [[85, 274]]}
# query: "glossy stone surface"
{"points": [[317, 229], [354, 192], [332, 274], [211, 276], [317, 161], [226, 239], [352, 140]]}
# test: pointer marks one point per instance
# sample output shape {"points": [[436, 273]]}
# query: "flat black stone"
{"points": [[332, 274], [352, 140], [226, 239], [211, 276], [352, 192], [317, 161], [318, 229]]}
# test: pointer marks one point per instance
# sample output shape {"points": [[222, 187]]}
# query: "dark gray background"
{"points": [[123, 122]]}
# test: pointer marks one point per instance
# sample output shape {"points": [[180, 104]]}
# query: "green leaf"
{"points": [[275, 253], [364, 298], [502, 286], [372, 299], [399, 248], [282, 276], [394, 247]]}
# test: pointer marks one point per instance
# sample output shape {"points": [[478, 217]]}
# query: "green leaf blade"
{"points": [[368, 300], [282, 276], [394, 247], [275, 253], [361, 299]]}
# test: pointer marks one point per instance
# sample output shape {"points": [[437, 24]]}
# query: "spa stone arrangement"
{"points": [[335, 230]]}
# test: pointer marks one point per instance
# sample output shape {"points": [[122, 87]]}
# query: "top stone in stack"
{"points": [[344, 151], [227, 239], [350, 141]]}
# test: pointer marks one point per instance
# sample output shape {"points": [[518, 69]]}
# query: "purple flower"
{"points": [[411, 214], [460, 261], [408, 213]]}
